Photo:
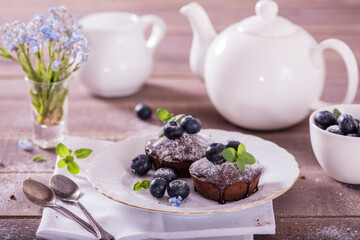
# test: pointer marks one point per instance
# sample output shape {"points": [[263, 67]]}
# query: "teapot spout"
{"points": [[203, 35]]}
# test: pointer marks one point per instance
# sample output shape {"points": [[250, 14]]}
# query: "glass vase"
{"points": [[48, 109]]}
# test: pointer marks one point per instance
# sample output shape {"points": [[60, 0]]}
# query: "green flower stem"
{"points": [[48, 101]]}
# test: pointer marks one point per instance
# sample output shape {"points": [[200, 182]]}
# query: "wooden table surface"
{"points": [[317, 207]]}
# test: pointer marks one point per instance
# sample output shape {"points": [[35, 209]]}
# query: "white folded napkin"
{"points": [[125, 222]]}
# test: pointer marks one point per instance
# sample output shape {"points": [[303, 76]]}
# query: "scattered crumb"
{"points": [[303, 177], [53, 167], [12, 196], [340, 194]]}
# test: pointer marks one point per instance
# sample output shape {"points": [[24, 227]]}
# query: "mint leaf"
{"points": [[163, 114], [137, 186], [240, 163], [176, 118], [62, 163], [249, 159], [69, 159], [73, 168], [38, 158], [336, 112], [145, 184], [83, 153], [62, 150], [241, 149], [229, 154], [161, 132]]}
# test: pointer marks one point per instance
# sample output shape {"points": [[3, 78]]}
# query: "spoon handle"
{"points": [[75, 217], [101, 233]]}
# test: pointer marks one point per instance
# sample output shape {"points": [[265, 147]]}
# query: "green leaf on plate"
{"points": [[83, 153], [249, 159], [241, 149], [145, 184], [163, 114], [137, 186], [229, 154], [176, 118], [240, 163], [161, 132]]}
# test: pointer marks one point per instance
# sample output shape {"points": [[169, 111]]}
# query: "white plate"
{"points": [[109, 172]]}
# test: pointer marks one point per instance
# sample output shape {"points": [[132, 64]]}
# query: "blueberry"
{"points": [[214, 152], [191, 124], [232, 143], [173, 130], [143, 111], [178, 188], [357, 122], [335, 129], [141, 165], [324, 119], [167, 173], [157, 187], [358, 129], [352, 135], [347, 123]]}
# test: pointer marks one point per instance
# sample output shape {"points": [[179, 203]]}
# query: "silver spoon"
{"points": [[43, 196], [68, 191]]}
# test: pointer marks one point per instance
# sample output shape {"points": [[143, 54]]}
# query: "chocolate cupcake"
{"points": [[177, 154], [224, 182]]}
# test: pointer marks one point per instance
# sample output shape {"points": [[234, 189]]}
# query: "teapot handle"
{"points": [[157, 32], [351, 66]]}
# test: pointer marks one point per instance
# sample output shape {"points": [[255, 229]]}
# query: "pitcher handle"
{"points": [[351, 66], [158, 30]]}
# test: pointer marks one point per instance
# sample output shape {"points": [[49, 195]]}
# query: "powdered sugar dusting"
{"points": [[222, 175], [190, 147]]}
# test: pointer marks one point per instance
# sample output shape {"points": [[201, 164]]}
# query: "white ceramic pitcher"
{"points": [[120, 59]]}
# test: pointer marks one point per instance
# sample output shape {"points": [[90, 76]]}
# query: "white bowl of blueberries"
{"points": [[335, 139]]}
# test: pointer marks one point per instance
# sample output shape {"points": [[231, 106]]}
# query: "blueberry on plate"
{"points": [[167, 173], [157, 187], [233, 144], [143, 111], [214, 152], [173, 130], [335, 129], [347, 123], [141, 165], [357, 122], [352, 135], [324, 119], [191, 124], [178, 188]]}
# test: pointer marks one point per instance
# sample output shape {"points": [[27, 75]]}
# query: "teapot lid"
{"points": [[266, 22]]}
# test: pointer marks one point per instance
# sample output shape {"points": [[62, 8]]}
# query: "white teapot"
{"points": [[264, 72], [120, 59]]}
